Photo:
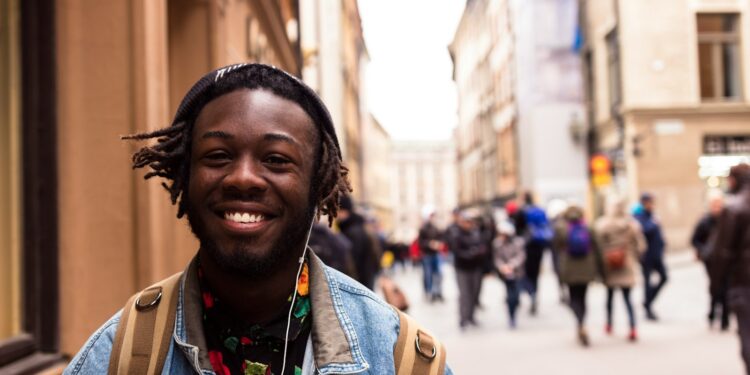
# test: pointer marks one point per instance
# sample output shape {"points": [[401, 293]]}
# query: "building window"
{"points": [[719, 57], [613, 69]]}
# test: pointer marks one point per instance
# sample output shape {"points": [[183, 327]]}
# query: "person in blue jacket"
{"points": [[653, 260]]}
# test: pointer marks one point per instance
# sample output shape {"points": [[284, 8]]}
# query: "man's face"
{"points": [[648, 205], [715, 206], [250, 173]]}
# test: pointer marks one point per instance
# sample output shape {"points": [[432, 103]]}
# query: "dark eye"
{"points": [[217, 157], [277, 160]]}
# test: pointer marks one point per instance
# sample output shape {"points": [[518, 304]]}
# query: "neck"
{"points": [[252, 300]]}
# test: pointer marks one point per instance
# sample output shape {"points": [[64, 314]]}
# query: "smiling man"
{"points": [[252, 160]]}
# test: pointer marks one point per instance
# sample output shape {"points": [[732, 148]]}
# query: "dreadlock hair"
{"points": [[169, 157]]}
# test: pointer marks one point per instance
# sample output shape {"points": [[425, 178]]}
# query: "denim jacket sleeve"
{"points": [[93, 358]]}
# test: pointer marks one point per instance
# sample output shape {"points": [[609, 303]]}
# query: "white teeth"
{"points": [[244, 218]]}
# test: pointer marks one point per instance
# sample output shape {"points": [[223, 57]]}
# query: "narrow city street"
{"points": [[680, 343]]}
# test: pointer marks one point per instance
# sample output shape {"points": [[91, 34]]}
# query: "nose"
{"points": [[245, 177]]}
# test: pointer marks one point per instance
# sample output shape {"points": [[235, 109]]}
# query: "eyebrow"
{"points": [[217, 134], [279, 137]]}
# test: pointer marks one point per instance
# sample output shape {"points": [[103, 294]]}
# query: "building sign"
{"points": [[726, 144]]}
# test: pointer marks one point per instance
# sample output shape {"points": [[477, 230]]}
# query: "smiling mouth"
{"points": [[244, 217]]}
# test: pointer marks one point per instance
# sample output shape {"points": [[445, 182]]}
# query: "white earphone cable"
{"points": [[294, 294]]}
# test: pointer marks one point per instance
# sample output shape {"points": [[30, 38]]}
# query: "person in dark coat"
{"points": [[653, 260], [700, 241], [365, 248], [730, 254], [334, 249], [469, 252]]}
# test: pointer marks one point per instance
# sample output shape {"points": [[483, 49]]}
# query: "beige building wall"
{"points": [[483, 60], [377, 165], [334, 55], [423, 178], [665, 119], [122, 68]]}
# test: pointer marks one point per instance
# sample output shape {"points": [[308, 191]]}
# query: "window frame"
{"points": [[614, 70], [715, 40], [37, 346]]}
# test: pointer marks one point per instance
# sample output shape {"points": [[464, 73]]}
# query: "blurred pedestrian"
{"points": [[488, 231], [532, 223], [730, 255], [508, 257], [578, 265], [700, 241], [430, 241], [555, 212], [620, 243], [365, 246], [653, 260], [334, 249], [469, 254]]}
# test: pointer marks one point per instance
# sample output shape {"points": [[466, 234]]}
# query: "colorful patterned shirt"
{"points": [[236, 347]]}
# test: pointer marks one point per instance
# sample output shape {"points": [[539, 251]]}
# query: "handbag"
{"points": [[393, 294], [615, 258]]}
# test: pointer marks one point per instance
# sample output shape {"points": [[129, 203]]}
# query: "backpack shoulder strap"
{"points": [[145, 331], [417, 351]]}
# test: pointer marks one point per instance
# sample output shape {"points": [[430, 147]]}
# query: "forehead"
{"points": [[257, 110]]}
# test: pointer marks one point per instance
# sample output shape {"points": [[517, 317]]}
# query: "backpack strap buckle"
{"points": [[429, 343], [148, 299]]}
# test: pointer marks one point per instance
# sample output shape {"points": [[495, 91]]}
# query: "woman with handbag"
{"points": [[621, 243]]}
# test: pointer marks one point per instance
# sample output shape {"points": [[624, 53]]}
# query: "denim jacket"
{"points": [[353, 330]]}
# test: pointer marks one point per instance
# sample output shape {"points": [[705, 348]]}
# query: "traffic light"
{"points": [[601, 170]]}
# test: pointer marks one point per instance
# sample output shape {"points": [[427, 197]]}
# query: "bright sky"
{"points": [[409, 85]]}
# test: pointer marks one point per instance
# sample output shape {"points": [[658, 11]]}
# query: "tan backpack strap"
{"points": [[114, 360], [145, 331], [417, 351]]}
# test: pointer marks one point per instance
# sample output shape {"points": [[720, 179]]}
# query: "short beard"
{"points": [[240, 260]]}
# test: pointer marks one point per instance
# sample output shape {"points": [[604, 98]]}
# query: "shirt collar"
{"points": [[335, 346]]}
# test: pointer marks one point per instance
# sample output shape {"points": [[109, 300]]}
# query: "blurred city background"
{"points": [[441, 107]]}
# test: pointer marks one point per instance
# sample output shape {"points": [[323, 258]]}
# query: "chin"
{"points": [[245, 259]]}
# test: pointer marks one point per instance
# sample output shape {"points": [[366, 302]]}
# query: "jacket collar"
{"points": [[335, 345]]}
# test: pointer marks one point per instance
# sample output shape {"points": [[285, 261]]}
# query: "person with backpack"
{"points": [[252, 160], [533, 225], [621, 244], [578, 264], [508, 258]]}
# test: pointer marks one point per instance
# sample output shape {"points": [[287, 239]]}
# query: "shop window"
{"points": [[719, 57]]}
